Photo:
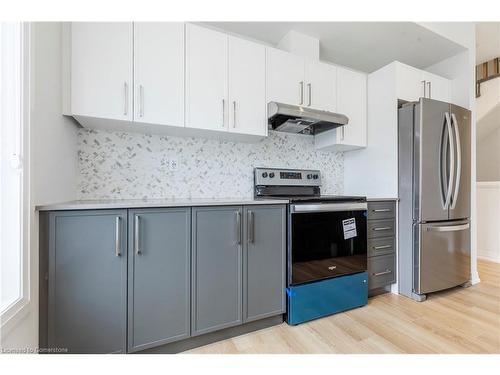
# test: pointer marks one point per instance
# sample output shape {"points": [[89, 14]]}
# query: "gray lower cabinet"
{"points": [[159, 276], [264, 262], [381, 227], [87, 291], [216, 293]]}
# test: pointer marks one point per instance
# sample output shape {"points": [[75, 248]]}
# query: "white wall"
{"points": [[373, 171], [488, 221], [53, 161], [488, 157]]}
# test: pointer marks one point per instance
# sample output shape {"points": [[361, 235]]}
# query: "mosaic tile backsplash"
{"points": [[117, 165]]}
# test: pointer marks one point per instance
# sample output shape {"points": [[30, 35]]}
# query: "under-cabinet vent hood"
{"points": [[303, 120]]}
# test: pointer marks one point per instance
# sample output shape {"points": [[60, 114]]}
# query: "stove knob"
{"points": [[315, 176], [271, 175], [264, 174], [309, 176]]}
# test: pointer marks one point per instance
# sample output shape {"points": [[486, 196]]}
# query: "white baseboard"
{"points": [[491, 256]]}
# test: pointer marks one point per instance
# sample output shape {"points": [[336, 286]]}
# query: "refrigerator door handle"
{"points": [[459, 160], [452, 161], [449, 228]]}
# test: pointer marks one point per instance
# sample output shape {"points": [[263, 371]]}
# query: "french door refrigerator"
{"points": [[434, 192]]}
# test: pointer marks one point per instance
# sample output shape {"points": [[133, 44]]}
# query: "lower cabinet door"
{"points": [[159, 281], [88, 281], [264, 262], [216, 268]]}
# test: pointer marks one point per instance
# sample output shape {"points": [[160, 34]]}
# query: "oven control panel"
{"points": [[287, 177]]}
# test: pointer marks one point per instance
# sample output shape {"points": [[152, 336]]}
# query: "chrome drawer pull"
{"points": [[382, 273], [381, 228], [382, 210], [382, 247]]}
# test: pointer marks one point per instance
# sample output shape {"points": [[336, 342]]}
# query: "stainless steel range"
{"points": [[326, 242]]}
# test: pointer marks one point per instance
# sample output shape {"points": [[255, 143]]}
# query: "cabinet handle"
{"points": [[381, 228], [424, 89], [382, 210], [342, 134], [429, 87], [136, 235], [309, 86], [382, 247], [223, 111], [251, 227], [234, 113], [117, 236], [125, 98], [238, 227], [387, 271], [301, 83], [141, 101]]}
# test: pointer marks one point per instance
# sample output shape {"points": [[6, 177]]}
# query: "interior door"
{"points": [[444, 256], [460, 199], [206, 79], [321, 86], [159, 73], [247, 87], [431, 180]]}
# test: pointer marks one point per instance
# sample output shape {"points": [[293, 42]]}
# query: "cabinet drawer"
{"points": [[381, 210], [381, 246], [381, 228], [381, 271]]}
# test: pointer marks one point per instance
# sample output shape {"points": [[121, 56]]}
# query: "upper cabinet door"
{"points": [[206, 79], [159, 73], [351, 101], [285, 77], [321, 86], [410, 83], [438, 88], [101, 69], [247, 87]]}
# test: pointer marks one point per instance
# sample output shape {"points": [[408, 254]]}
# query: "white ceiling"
{"points": [[365, 46], [487, 41]]}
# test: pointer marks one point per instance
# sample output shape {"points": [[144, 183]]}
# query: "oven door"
{"points": [[326, 240]]}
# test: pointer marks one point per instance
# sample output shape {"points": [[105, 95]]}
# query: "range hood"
{"points": [[303, 120]]}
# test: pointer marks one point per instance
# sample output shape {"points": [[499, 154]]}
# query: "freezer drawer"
{"points": [[442, 255]]}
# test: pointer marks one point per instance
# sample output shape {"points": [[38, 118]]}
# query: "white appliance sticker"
{"points": [[349, 228]]}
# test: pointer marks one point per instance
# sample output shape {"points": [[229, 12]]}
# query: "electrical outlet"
{"points": [[173, 164]]}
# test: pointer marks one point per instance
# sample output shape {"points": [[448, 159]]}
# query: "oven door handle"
{"points": [[328, 207]]}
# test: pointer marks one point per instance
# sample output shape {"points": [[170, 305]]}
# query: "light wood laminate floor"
{"points": [[462, 320]]}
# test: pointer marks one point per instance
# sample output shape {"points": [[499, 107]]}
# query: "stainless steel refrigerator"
{"points": [[434, 192]]}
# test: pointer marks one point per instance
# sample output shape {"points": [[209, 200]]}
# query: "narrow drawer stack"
{"points": [[381, 243]]}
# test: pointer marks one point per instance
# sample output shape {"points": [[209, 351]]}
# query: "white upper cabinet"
{"points": [[437, 87], [413, 84], [321, 86], [101, 69], [410, 83], [159, 73], [207, 103], [351, 101], [285, 77], [247, 87]]}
